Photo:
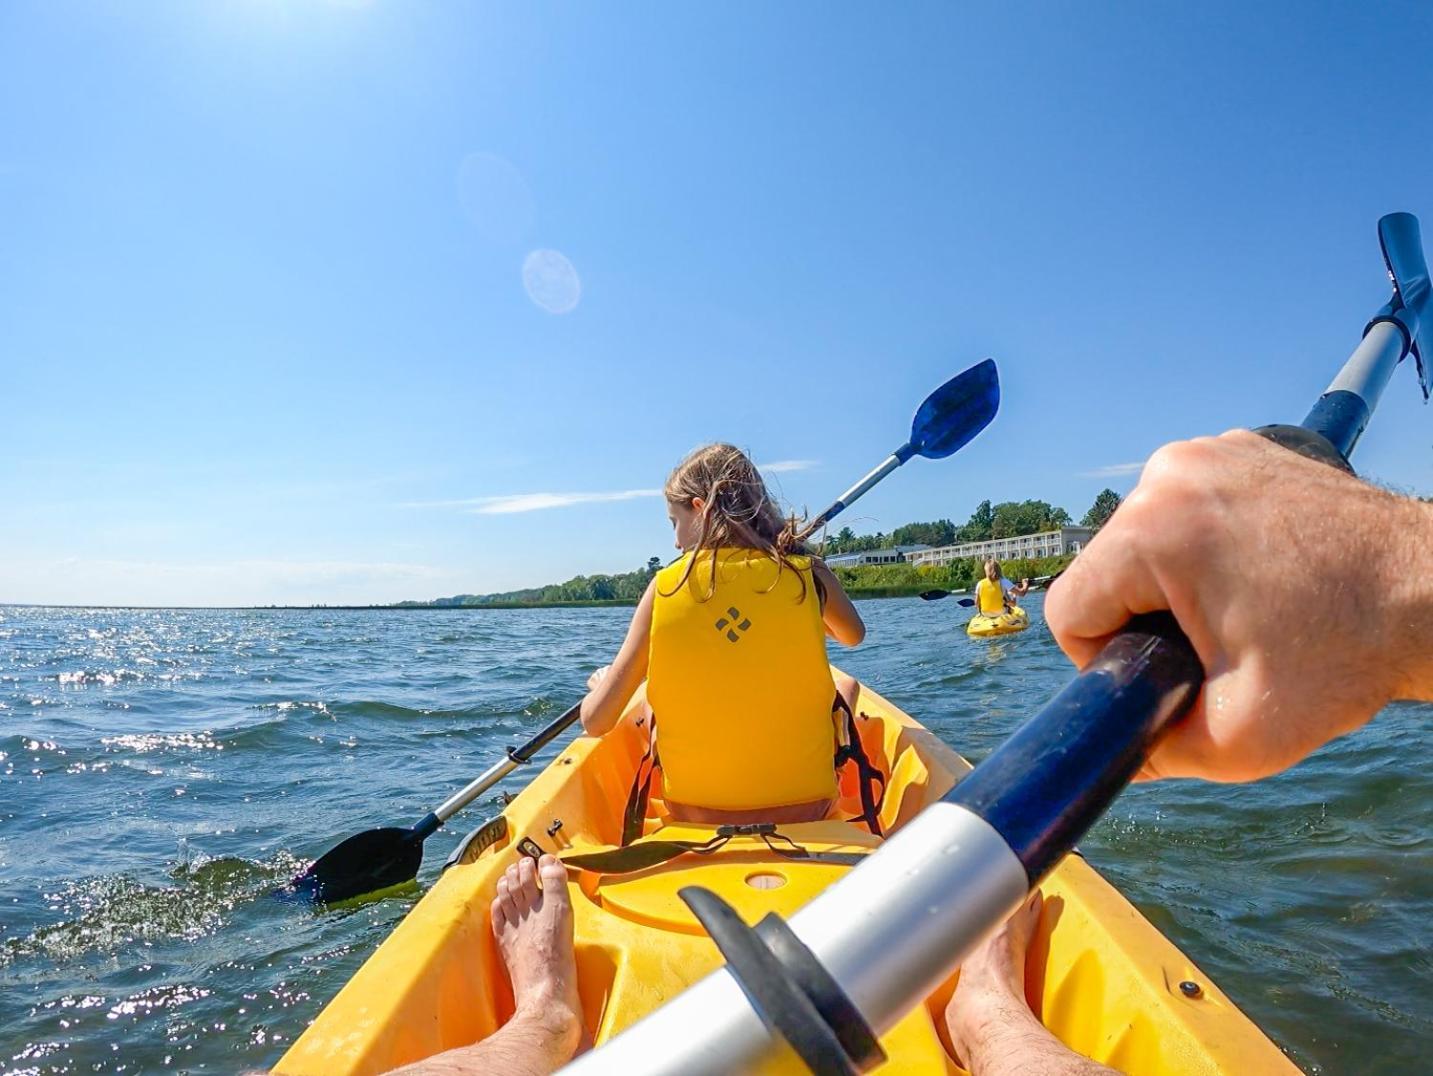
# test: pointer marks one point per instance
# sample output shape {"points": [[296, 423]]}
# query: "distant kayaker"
{"points": [[730, 640], [995, 594]]}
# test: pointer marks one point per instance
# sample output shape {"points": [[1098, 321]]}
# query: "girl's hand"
{"points": [[596, 677]]}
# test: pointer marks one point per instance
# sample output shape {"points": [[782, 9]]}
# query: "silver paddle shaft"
{"points": [[1372, 364], [859, 490], [475, 788]]}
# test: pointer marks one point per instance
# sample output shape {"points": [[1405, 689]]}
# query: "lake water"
{"points": [[161, 770]]}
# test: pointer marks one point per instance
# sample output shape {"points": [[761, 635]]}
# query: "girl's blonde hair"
{"points": [[992, 565], [737, 510]]}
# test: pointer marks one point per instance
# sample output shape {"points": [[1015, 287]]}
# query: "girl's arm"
{"points": [[613, 688], [842, 621]]}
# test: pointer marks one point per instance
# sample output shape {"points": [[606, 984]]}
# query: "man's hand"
{"points": [[1303, 590]]}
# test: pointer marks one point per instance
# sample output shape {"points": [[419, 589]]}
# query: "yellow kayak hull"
{"points": [[983, 626], [1104, 979]]}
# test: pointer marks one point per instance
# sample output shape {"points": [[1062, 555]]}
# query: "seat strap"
{"points": [[853, 750], [639, 857], [634, 816]]}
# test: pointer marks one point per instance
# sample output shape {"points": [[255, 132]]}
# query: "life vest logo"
{"points": [[730, 626]]}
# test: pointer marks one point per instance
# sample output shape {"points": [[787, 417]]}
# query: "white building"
{"points": [[1045, 544], [894, 555]]}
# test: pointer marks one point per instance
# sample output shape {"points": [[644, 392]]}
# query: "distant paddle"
{"points": [[379, 858], [936, 595]]}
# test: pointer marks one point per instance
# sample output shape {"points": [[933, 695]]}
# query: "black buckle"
{"points": [[530, 848], [749, 829]]}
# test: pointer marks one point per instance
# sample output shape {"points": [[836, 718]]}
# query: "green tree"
{"points": [[1014, 518], [1099, 514], [843, 541], [654, 565], [977, 529], [940, 532]]}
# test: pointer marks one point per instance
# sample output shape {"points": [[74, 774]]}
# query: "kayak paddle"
{"points": [[936, 595], [379, 858], [948, 420], [1038, 583]]}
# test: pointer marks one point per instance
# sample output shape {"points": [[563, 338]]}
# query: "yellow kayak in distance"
{"points": [[1108, 983], [985, 626]]}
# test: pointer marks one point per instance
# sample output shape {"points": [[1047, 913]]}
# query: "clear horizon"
{"points": [[359, 302]]}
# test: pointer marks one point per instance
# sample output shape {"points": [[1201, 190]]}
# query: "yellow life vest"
{"points": [[740, 684], [990, 596]]}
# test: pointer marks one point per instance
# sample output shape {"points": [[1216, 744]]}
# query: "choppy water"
{"points": [[161, 770]]}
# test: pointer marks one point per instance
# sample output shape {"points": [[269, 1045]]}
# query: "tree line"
{"points": [[1009, 519]]}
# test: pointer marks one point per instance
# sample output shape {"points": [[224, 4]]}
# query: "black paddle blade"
{"points": [[954, 413], [934, 595], [364, 863]]}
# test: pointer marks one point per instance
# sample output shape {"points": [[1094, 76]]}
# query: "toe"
{"points": [[498, 912], [525, 892], [1028, 917], [504, 896], [554, 876]]}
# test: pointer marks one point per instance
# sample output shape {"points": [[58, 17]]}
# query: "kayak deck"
{"points": [[1102, 978], [985, 625]]}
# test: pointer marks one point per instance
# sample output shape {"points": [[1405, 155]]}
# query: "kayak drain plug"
{"points": [[1191, 989]]}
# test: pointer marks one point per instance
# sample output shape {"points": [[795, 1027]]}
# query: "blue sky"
{"points": [[266, 333]]}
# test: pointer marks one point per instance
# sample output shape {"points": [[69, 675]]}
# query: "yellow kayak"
{"points": [[1110, 985], [983, 626]]}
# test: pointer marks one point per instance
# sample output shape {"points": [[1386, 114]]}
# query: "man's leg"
{"points": [[991, 1026], [533, 928]]}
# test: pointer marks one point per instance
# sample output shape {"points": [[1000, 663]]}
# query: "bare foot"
{"points": [[533, 928], [990, 1023], [992, 980]]}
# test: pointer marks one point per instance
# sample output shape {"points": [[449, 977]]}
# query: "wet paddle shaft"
{"points": [[964, 865], [379, 858]]}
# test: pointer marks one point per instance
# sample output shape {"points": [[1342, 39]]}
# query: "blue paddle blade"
{"points": [[954, 413], [1402, 244]]}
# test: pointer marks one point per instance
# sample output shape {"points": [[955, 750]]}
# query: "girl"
{"points": [[730, 639], [995, 594]]}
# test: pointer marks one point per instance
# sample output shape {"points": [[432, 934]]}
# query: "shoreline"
{"points": [[609, 603]]}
